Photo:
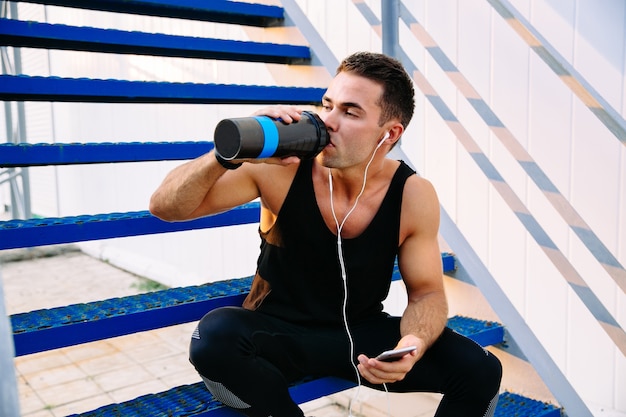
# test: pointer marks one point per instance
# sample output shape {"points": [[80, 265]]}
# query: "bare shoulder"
{"points": [[420, 192], [420, 206], [273, 182]]}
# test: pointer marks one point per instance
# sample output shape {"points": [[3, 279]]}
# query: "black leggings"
{"points": [[255, 357]]}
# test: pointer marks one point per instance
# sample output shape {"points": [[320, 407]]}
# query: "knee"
{"points": [[213, 341], [485, 375], [493, 370]]}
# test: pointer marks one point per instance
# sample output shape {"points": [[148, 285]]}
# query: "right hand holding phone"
{"points": [[380, 371]]}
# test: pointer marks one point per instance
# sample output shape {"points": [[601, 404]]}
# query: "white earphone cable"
{"points": [[343, 266]]}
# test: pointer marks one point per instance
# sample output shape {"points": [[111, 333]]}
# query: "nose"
{"points": [[328, 119]]}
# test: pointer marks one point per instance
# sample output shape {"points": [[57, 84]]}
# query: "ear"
{"points": [[394, 133]]}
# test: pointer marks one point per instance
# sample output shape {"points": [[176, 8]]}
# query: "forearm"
{"points": [[425, 317], [184, 189]]}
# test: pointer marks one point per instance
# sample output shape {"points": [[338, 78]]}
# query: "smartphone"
{"points": [[395, 354]]}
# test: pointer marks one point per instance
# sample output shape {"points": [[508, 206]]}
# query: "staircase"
{"points": [[43, 330]]}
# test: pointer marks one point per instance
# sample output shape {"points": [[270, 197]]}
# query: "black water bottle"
{"points": [[264, 137]]}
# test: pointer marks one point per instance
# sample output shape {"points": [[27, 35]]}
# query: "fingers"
{"points": [[287, 114], [378, 372], [274, 160]]}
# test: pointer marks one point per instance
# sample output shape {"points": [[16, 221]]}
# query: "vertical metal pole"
{"points": [[8, 117], [8, 113], [9, 400], [21, 127], [391, 34], [20, 198]]}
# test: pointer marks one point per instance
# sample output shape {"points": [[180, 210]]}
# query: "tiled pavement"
{"points": [[85, 377]]}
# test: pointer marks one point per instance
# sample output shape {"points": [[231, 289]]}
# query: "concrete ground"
{"points": [[85, 377]]}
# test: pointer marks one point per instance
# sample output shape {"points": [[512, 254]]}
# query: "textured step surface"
{"points": [[51, 231], [514, 405], [47, 329], [195, 400]]}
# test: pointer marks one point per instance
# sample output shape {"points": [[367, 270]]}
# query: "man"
{"points": [[330, 231]]}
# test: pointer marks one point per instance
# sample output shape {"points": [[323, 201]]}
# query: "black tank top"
{"points": [[298, 275]]}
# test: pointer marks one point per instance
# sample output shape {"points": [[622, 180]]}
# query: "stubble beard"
{"points": [[328, 161]]}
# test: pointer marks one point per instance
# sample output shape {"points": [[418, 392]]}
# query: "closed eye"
{"points": [[349, 108]]}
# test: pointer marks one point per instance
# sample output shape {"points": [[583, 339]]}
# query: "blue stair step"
{"points": [[194, 400], [38, 154], [483, 332], [53, 36], [47, 329], [58, 230], [514, 405], [221, 11], [26, 88]]}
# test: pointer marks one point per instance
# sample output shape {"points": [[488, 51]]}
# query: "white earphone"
{"points": [[384, 138]]}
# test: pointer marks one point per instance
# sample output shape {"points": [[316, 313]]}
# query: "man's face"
{"points": [[351, 113]]}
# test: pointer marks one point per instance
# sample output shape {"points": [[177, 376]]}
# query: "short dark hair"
{"points": [[398, 98]]}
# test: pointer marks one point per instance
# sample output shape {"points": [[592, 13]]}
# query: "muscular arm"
{"points": [[426, 313], [201, 187]]}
